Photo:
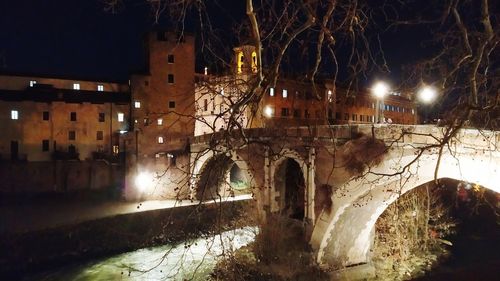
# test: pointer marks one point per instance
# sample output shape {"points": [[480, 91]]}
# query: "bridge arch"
{"points": [[211, 171], [349, 235], [289, 196]]}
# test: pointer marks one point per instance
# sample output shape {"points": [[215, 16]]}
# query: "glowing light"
{"points": [[380, 89], [143, 181], [268, 111], [427, 94]]}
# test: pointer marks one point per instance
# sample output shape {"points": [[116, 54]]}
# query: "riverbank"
{"points": [[22, 253]]}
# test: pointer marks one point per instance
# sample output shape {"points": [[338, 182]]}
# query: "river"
{"points": [[190, 260]]}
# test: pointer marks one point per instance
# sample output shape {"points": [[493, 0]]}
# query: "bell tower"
{"points": [[245, 60]]}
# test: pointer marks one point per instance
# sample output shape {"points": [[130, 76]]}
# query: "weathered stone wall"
{"points": [[59, 176]]}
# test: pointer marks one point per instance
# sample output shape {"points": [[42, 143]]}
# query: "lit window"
{"points": [[100, 88], [271, 92], [170, 58], [121, 117], [160, 121], [412, 111], [137, 104], [14, 114], [329, 95], [285, 93], [170, 79], [222, 92], [76, 86], [116, 149], [160, 139], [32, 83]]}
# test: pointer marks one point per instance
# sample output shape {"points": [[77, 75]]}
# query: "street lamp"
{"points": [[427, 94], [380, 90], [143, 181]]}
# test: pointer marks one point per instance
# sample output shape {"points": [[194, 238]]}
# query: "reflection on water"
{"points": [[191, 260]]}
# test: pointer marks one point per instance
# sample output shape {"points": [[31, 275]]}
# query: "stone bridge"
{"points": [[340, 179]]}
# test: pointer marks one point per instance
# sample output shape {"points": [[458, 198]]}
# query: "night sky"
{"points": [[80, 39]]}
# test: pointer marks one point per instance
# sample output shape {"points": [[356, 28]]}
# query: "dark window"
{"points": [[72, 116], [354, 117], [170, 78], [146, 83], [205, 105], [45, 145], [306, 114], [330, 114], [170, 59], [45, 115], [284, 111], [146, 121], [100, 135], [361, 118], [71, 135], [346, 116], [171, 104], [296, 113], [337, 115], [101, 116]]}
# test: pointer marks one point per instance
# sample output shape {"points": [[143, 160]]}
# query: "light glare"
{"points": [[380, 89], [427, 94]]}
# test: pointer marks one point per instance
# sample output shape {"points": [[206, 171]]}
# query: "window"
{"points": [[170, 59], [100, 135], [159, 121], [329, 95], [71, 135], [285, 93], [361, 118], [45, 145], [306, 114], [137, 104], [146, 121], [284, 112], [76, 86], [346, 116], [72, 116], [32, 83], [45, 115], [296, 113], [146, 83], [170, 79], [171, 104], [354, 117], [100, 88], [102, 116], [160, 139], [121, 117], [14, 114], [271, 92], [337, 115], [205, 105]]}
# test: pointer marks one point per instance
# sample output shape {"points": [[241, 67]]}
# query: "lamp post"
{"points": [[426, 95], [380, 90]]}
